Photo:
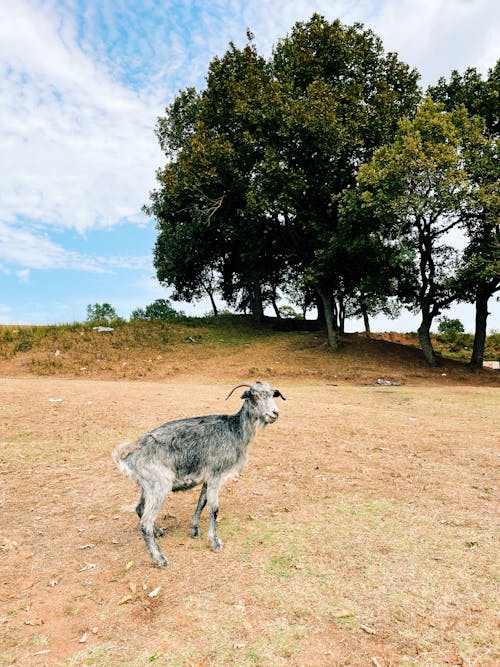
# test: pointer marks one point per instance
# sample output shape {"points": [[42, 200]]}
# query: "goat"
{"points": [[181, 454]]}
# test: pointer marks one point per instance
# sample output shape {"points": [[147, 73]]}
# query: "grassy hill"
{"points": [[229, 346]]}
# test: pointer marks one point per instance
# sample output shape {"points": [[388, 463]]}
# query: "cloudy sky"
{"points": [[81, 85]]}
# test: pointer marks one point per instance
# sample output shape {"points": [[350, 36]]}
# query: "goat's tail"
{"points": [[121, 453]]}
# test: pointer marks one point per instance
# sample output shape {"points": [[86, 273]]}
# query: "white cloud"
{"points": [[24, 275], [77, 146], [437, 36], [32, 250]]}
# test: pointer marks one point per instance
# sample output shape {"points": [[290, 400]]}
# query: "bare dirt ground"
{"points": [[360, 533]]}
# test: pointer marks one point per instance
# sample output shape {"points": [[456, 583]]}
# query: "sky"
{"points": [[82, 84]]}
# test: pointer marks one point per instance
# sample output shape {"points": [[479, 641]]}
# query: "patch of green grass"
{"points": [[45, 366], [283, 642], [71, 611], [38, 639], [348, 621], [97, 655], [286, 563], [258, 537]]}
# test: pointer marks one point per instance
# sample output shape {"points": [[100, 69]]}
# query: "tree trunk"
{"points": [[275, 305], [476, 360], [366, 319], [321, 310], [256, 298], [341, 316], [424, 336], [332, 333], [214, 306], [212, 300]]}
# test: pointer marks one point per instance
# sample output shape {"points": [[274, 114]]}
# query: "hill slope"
{"points": [[230, 347]]}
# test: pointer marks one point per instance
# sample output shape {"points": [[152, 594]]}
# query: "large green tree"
{"points": [[210, 220], [419, 186], [338, 97], [258, 159]]}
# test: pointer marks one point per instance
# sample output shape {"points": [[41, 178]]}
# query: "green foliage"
{"points": [[138, 314], [447, 325], [494, 339], [478, 274], [101, 313], [451, 333], [315, 168], [481, 97], [161, 309], [419, 188], [244, 203], [289, 312]]}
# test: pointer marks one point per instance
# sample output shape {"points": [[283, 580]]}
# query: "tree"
{"points": [[419, 185], [478, 278], [479, 273], [210, 223], [161, 309], [339, 98], [447, 326], [481, 97], [101, 313], [258, 158]]}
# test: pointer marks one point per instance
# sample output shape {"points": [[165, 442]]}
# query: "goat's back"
{"points": [[197, 447]]}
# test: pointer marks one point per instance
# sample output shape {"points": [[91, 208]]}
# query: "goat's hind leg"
{"points": [[202, 501], [158, 532], [154, 494]]}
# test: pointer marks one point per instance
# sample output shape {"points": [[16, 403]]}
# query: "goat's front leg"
{"points": [[202, 501], [213, 504]]}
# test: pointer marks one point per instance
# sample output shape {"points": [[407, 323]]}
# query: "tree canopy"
{"points": [[319, 172], [478, 277], [420, 189]]}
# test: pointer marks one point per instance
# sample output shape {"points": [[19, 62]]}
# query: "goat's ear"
{"points": [[245, 394], [277, 394]]}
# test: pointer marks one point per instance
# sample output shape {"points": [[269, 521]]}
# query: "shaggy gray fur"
{"points": [[185, 453]]}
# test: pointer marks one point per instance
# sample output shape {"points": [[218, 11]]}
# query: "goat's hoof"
{"points": [[195, 531], [162, 561], [217, 545], [158, 532]]}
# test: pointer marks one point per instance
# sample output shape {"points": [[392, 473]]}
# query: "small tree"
{"points": [[101, 313], [447, 325], [161, 309], [138, 314]]}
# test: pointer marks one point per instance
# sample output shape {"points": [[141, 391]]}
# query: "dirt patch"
{"points": [[362, 531]]}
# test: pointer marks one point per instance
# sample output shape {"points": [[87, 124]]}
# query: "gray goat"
{"points": [[182, 454]]}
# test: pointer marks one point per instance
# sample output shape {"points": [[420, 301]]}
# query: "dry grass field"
{"points": [[361, 532]]}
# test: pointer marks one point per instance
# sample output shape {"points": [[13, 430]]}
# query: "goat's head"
{"points": [[260, 398]]}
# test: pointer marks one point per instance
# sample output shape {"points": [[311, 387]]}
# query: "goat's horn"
{"points": [[237, 387]]}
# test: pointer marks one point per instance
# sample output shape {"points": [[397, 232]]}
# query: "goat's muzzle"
{"points": [[271, 418]]}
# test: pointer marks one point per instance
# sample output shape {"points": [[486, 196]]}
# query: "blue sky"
{"points": [[81, 86]]}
